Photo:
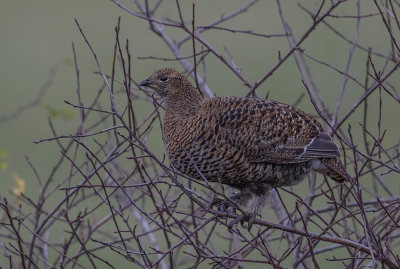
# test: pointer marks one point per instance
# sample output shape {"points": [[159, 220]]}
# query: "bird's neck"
{"points": [[184, 104]]}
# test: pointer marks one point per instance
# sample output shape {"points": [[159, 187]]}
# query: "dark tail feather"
{"points": [[336, 170]]}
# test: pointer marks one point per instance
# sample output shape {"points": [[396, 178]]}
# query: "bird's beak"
{"points": [[144, 82]]}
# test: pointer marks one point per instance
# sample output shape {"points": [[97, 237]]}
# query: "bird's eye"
{"points": [[163, 79]]}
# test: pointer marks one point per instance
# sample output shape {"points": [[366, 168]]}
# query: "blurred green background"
{"points": [[36, 36]]}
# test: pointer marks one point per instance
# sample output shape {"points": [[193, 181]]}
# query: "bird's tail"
{"points": [[335, 170]]}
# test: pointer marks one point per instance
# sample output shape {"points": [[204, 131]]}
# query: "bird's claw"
{"points": [[241, 219], [250, 222]]}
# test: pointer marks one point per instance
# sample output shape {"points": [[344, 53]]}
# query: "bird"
{"points": [[251, 144]]}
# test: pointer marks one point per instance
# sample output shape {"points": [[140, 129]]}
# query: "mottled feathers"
{"points": [[248, 143]]}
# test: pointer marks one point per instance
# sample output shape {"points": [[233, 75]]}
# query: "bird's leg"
{"points": [[250, 201], [239, 199]]}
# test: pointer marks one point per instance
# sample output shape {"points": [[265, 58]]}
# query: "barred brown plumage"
{"points": [[251, 144]]}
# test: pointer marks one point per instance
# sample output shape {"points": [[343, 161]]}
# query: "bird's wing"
{"points": [[268, 131]]}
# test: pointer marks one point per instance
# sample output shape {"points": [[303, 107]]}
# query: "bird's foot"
{"points": [[241, 219], [230, 205]]}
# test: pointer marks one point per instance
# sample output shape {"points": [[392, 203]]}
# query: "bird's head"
{"points": [[167, 82]]}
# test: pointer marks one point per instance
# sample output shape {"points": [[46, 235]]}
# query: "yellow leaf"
{"points": [[20, 188], [3, 165]]}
